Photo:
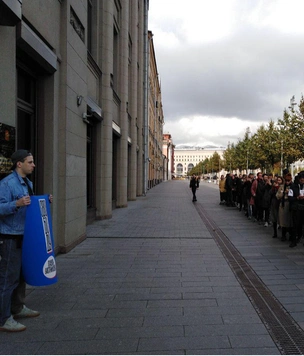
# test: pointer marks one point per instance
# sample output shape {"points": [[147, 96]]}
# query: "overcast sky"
{"points": [[225, 65]]}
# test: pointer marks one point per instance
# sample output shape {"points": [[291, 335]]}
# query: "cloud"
{"points": [[230, 75], [209, 130]]}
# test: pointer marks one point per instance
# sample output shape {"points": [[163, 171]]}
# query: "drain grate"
{"points": [[284, 330]]}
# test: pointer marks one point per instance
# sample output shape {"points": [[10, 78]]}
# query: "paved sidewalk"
{"points": [[154, 280]]}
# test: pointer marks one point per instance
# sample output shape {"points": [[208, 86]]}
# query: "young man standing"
{"points": [[15, 192]]}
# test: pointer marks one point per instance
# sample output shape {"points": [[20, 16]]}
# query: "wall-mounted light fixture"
{"points": [[86, 116], [79, 100]]}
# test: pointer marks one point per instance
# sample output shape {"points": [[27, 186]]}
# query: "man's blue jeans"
{"points": [[12, 288]]}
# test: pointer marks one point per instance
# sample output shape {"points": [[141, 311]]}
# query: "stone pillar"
{"points": [[8, 75], [140, 103], [133, 103], [122, 182], [104, 145]]}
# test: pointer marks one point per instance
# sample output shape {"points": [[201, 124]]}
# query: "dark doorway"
{"points": [[26, 129], [91, 173]]}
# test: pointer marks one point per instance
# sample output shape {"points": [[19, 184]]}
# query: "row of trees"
{"points": [[209, 165], [273, 147]]}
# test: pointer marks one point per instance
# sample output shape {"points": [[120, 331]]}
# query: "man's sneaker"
{"points": [[11, 325], [266, 224], [26, 313]]}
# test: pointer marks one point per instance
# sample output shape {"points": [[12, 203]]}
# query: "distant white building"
{"points": [[187, 157]]}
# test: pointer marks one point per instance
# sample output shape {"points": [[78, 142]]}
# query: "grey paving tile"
{"points": [[92, 347], [182, 343], [193, 319], [148, 296], [240, 319], [226, 329], [182, 303], [236, 351], [127, 312], [246, 341], [140, 332], [13, 347], [105, 322]]}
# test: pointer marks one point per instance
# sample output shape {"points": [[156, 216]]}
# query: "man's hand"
{"points": [[51, 198], [24, 201]]}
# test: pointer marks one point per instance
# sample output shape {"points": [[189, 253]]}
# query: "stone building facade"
{"points": [[74, 91], [156, 121], [168, 152], [185, 158]]}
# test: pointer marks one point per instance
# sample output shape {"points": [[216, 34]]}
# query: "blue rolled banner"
{"points": [[38, 258]]}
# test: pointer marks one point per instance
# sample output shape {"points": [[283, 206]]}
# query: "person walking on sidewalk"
{"points": [[15, 192], [193, 185]]}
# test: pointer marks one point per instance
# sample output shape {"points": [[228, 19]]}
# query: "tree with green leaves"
{"points": [[291, 128]]}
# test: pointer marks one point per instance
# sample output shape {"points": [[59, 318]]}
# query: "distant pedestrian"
{"points": [[257, 197], [296, 200], [277, 185], [193, 185], [247, 193], [266, 199], [222, 189], [234, 181], [197, 182], [228, 187], [285, 217]]}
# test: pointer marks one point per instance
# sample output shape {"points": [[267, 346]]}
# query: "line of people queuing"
{"points": [[268, 200]]}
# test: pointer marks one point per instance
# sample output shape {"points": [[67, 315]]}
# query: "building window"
{"points": [[90, 25], [179, 169], [77, 25], [115, 60]]}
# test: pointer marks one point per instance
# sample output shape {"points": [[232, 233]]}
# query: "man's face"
{"points": [[27, 166], [265, 178], [301, 180]]}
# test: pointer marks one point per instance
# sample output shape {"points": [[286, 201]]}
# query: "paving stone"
{"points": [[183, 343]]}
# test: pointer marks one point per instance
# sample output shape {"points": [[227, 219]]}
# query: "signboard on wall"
{"points": [[7, 148]]}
